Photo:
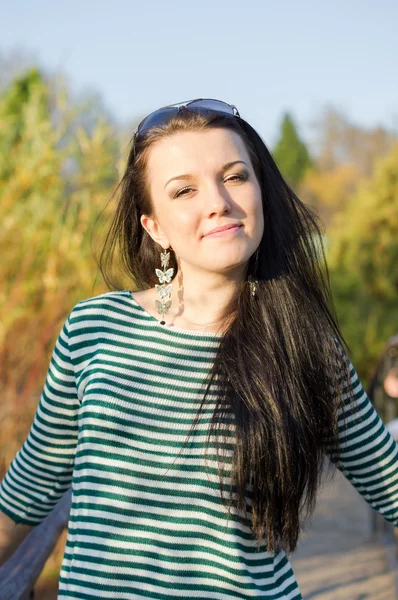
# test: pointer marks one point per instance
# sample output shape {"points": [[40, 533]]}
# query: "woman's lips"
{"points": [[224, 232]]}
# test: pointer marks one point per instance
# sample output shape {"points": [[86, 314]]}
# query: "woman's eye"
{"points": [[181, 192], [240, 176]]}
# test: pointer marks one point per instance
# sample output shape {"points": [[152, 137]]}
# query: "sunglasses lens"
{"points": [[163, 115], [215, 105], [158, 117]]}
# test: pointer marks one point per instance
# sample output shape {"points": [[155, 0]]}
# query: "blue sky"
{"points": [[264, 57]]}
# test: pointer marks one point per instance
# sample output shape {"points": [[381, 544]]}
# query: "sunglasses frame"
{"points": [[141, 127]]}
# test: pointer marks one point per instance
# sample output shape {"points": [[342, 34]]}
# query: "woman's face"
{"points": [[192, 192]]}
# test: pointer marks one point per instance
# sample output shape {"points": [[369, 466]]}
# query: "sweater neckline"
{"points": [[189, 333]]}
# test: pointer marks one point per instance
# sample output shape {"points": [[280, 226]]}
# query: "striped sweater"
{"points": [[146, 521]]}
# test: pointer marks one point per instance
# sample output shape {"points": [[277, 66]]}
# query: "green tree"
{"points": [[291, 154], [363, 261], [24, 91]]}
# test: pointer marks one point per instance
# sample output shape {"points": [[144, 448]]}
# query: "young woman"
{"points": [[193, 418]]}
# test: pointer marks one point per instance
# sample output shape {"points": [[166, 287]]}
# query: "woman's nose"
{"points": [[217, 198]]}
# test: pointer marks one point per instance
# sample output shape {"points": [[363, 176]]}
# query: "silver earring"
{"points": [[163, 290], [252, 283], [252, 280]]}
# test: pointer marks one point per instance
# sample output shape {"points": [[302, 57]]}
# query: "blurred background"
{"points": [[317, 80]]}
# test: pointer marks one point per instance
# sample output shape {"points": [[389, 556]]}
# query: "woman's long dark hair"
{"points": [[280, 366]]}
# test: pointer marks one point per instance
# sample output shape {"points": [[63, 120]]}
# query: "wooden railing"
{"points": [[19, 573]]}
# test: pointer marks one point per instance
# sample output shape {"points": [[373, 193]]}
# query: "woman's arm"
{"points": [[368, 453], [42, 470], [19, 573], [11, 536]]}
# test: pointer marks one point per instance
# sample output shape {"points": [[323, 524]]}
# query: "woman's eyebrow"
{"points": [[189, 175]]}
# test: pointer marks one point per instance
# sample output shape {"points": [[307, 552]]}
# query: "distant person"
{"points": [[232, 331]]}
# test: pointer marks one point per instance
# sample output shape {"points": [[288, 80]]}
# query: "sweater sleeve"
{"points": [[368, 452], [41, 471]]}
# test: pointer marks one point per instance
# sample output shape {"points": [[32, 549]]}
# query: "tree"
{"points": [[344, 155], [363, 261], [341, 142], [329, 190], [291, 154]]}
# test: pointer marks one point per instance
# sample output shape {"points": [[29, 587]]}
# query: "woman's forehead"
{"points": [[190, 148]]}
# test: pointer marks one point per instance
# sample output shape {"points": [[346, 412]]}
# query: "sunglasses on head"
{"points": [[203, 105]]}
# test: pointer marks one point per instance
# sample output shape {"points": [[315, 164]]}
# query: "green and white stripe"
{"points": [[147, 522]]}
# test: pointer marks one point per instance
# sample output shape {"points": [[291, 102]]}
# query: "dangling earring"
{"points": [[163, 290], [252, 283], [252, 280]]}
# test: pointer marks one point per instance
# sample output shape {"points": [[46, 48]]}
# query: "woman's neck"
{"points": [[203, 312]]}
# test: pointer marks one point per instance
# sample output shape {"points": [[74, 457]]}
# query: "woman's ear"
{"points": [[154, 230]]}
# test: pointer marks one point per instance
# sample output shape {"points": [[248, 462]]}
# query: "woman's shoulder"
{"points": [[112, 301]]}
